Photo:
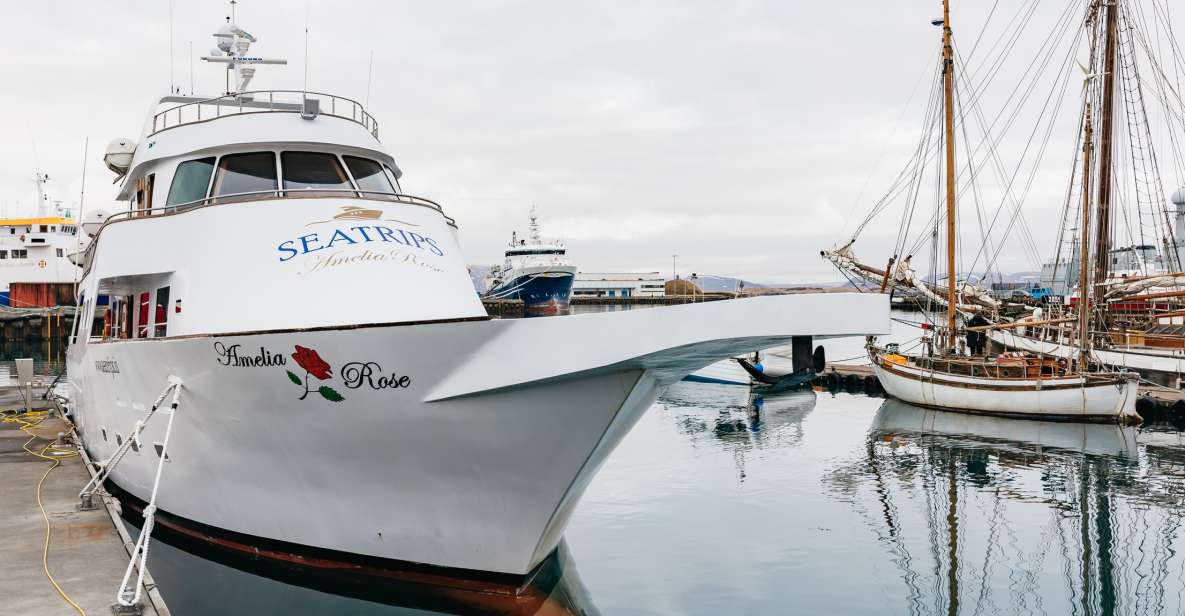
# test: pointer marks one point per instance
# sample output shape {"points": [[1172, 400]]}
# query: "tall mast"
{"points": [[948, 79], [1084, 294], [1102, 254]]}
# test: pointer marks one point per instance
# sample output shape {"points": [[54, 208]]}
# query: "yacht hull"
{"points": [[1076, 398], [431, 443]]}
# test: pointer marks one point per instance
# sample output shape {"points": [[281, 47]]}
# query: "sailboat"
{"points": [[1016, 384], [1139, 309]]}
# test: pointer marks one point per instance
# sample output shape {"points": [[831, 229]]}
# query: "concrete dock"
{"points": [[86, 556]]}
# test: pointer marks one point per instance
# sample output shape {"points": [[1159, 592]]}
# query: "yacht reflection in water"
{"points": [[746, 420], [198, 578], [999, 515]]}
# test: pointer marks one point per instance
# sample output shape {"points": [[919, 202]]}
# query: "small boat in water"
{"points": [[536, 271]]}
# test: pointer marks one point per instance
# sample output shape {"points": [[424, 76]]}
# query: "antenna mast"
{"points": [[233, 44], [948, 79]]}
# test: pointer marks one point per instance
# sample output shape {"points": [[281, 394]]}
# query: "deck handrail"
{"points": [[263, 101]]}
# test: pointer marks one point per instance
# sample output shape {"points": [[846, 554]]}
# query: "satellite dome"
{"points": [[1178, 198], [225, 35]]}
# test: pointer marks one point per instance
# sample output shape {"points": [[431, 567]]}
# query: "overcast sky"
{"points": [[743, 136]]}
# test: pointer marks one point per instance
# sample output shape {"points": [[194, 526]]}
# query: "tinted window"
{"points": [[161, 320], [369, 175], [245, 173], [191, 181], [313, 170]]}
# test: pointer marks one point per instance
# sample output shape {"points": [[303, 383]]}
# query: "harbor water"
{"points": [[721, 501]]}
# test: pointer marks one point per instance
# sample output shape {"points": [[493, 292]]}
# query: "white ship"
{"points": [[342, 394], [536, 271], [36, 249]]}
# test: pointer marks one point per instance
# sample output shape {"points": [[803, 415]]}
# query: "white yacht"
{"points": [[341, 394], [36, 250], [536, 271]]}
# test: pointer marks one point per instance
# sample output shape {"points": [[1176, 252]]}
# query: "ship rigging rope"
{"points": [[126, 596], [54, 454], [928, 148], [1056, 94]]}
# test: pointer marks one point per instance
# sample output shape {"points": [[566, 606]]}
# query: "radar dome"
{"points": [[93, 220], [1178, 198], [225, 36]]}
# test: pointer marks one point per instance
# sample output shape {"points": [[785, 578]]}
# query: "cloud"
{"points": [[744, 136]]}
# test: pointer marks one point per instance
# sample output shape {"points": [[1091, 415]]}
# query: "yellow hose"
{"points": [[58, 454]]}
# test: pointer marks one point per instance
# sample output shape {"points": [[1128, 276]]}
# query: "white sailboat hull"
{"points": [[1074, 398], [1163, 365]]}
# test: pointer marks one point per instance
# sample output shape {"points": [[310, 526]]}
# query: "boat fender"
{"points": [[819, 360], [760, 367]]}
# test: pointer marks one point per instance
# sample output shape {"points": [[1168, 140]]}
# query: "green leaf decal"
{"points": [[330, 394], [292, 377]]}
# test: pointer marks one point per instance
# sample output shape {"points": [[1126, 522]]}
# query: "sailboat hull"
{"points": [[1075, 398]]}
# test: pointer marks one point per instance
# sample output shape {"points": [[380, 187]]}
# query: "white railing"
{"points": [[263, 101]]}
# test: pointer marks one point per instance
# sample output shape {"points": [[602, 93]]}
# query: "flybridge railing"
{"points": [[282, 193], [308, 104]]}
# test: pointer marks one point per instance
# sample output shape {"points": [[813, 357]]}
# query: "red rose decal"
{"points": [[312, 363]]}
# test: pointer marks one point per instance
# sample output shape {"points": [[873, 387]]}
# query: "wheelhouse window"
{"points": [[393, 178], [191, 181], [369, 175], [20, 253], [309, 172], [252, 172]]}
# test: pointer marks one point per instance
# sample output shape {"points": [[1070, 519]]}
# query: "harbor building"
{"points": [[640, 284]]}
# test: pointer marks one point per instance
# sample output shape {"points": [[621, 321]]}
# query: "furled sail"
{"points": [[973, 299]]}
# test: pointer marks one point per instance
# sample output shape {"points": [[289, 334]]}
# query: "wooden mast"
{"points": [[948, 78], [1102, 256], [1084, 294]]}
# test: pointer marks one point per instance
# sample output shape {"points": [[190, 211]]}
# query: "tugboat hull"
{"points": [[547, 291]]}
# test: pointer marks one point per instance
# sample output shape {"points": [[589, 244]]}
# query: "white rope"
{"points": [[108, 465], [129, 596]]}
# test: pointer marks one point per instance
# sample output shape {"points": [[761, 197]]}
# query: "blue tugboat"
{"points": [[537, 272]]}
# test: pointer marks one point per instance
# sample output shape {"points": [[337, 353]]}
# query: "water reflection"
{"points": [[48, 359], [745, 420], [197, 580], [984, 515]]}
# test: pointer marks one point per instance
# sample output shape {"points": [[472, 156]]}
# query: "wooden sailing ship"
{"points": [[1139, 318], [1013, 384]]}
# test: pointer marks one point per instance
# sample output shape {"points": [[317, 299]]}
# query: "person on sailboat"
{"points": [[977, 340]]}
